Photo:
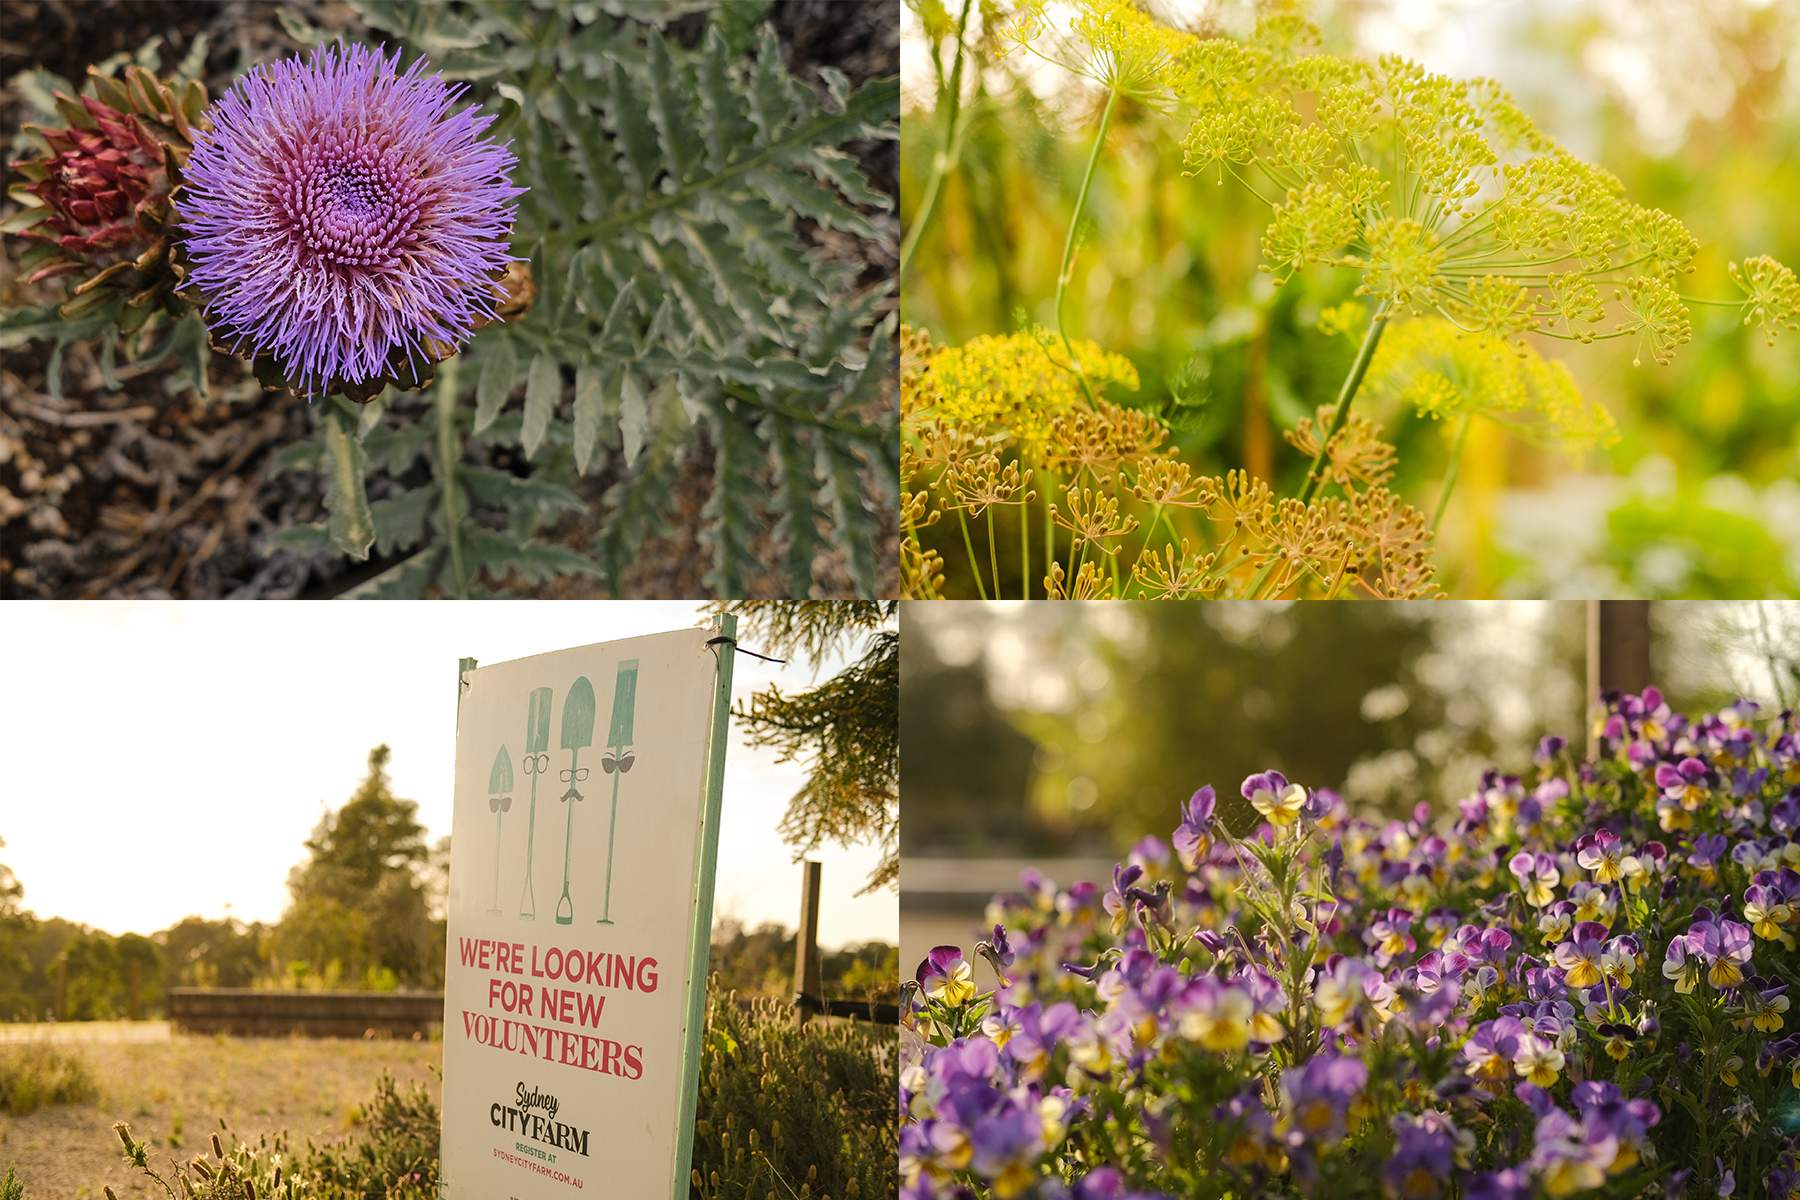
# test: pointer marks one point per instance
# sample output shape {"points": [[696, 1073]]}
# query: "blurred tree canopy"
{"points": [[848, 728], [1132, 707], [361, 911], [760, 962]]}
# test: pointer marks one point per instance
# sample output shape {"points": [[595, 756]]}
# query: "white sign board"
{"points": [[577, 942]]}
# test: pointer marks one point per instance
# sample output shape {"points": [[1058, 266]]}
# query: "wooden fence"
{"points": [[256, 1012]]}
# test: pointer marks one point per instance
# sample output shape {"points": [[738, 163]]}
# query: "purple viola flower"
{"points": [[1579, 957], [1319, 1096], [1005, 1146], [943, 975], [1194, 836], [1275, 798], [1726, 948], [998, 953], [1601, 852], [1424, 1153], [1513, 1183], [1683, 782], [1727, 1182], [343, 219], [1251, 1124], [1117, 902], [1708, 850], [1547, 750]]}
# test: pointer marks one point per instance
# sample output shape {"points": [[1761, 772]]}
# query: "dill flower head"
{"points": [[341, 219]]}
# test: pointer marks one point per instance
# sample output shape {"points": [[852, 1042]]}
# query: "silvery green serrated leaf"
{"points": [[594, 417], [635, 135], [730, 280], [810, 199], [634, 416], [495, 384], [394, 449], [798, 526], [557, 168], [53, 371], [300, 30], [303, 456], [534, 497], [837, 335], [770, 99], [723, 127], [842, 172], [695, 291], [17, 328], [305, 540], [666, 407], [400, 520], [693, 393], [639, 504], [837, 86], [536, 562], [192, 349], [592, 158], [730, 514], [763, 232], [109, 347], [660, 326], [370, 417], [351, 526], [149, 55], [843, 490], [543, 390], [669, 88], [613, 330]]}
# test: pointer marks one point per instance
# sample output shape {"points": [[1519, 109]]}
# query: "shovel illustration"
{"points": [[618, 759], [577, 733], [500, 786], [537, 740]]}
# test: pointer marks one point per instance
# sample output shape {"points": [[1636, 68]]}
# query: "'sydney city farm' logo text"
{"points": [[540, 1126]]}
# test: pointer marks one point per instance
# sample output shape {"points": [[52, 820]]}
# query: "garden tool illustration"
{"points": [[500, 786], [618, 759], [577, 734], [537, 741]]}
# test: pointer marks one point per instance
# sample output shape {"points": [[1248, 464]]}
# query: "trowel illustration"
{"points": [[577, 735], [618, 759], [500, 786], [537, 741]]}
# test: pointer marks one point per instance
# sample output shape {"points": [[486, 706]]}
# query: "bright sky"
{"points": [[168, 758]]}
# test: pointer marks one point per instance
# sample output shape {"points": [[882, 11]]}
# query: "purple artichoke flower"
{"points": [[343, 221]]}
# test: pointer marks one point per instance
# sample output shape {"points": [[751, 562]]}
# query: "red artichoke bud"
{"points": [[100, 204]]}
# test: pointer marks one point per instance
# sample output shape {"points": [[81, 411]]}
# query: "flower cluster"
{"points": [[1573, 981]]}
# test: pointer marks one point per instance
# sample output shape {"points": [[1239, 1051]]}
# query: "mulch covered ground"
{"points": [[150, 491]]}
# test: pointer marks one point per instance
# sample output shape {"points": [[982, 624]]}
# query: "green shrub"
{"points": [[10, 1187], [36, 1074], [395, 1154], [785, 1111]]}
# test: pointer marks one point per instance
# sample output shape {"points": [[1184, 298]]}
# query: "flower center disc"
{"points": [[350, 203]]}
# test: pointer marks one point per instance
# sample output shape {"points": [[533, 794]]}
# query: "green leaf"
{"points": [[26, 218], [640, 504], [304, 540], [731, 510], [542, 392], [856, 528], [394, 450], [595, 419], [193, 351], [633, 130], [17, 328], [798, 526], [400, 520], [496, 382], [502, 489], [351, 526], [669, 110], [634, 417], [537, 562], [299, 30], [305, 455]]}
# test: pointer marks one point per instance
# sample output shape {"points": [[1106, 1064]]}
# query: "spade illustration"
{"points": [[618, 759], [500, 786], [577, 734], [537, 741]]}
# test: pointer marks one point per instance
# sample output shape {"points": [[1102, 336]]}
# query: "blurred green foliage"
{"points": [[1166, 274]]}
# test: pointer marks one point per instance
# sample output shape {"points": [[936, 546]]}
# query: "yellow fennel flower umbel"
{"points": [[1007, 385]]}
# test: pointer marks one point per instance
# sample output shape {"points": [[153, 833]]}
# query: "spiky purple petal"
{"points": [[339, 212]]}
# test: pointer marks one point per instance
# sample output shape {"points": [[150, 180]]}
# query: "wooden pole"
{"points": [[1618, 656], [806, 943], [62, 988]]}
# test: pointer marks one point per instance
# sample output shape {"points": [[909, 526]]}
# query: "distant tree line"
{"points": [[365, 911], [760, 962]]}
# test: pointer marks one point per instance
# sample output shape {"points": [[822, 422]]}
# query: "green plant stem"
{"points": [[1149, 532], [1068, 258], [1315, 473], [962, 519], [993, 555], [1450, 474], [1364, 354], [449, 452], [1025, 548], [945, 160]]}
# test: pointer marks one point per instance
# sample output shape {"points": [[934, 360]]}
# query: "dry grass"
{"points": [[175, 1093]]}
